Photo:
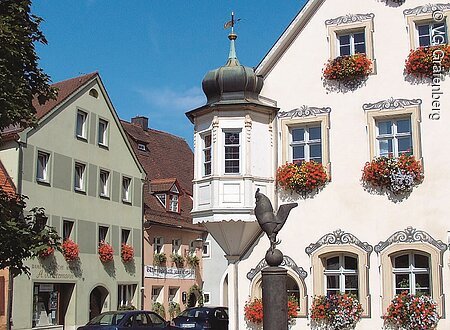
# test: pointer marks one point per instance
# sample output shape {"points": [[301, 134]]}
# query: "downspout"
{"points": [[142, 288], [9, 321]]}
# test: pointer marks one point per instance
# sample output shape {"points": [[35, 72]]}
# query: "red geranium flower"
{"points": [[127, 252], [70, 250], [105, 251]]}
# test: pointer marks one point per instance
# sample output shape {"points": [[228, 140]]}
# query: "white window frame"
{"points": [[158, 244], [306, 143], [394, 135], [206, 254], [435, 37], [79, 182], [341, 273], [176, 246], [225, 146], [126, 294], [104, 178], [207, 148], [81, 126], [42, 167], [126, 191], [141, 146], [174, 204], [162, 198], [415, 20], [102, 138], [352, 41], [411, 271]]}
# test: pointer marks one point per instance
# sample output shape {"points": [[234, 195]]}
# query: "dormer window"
{"points": [[141, 147], [167, 193], [162, 199], [173, 206]]}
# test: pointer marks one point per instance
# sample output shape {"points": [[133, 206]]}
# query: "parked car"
{"points": [[134, 319], [199, 318]]}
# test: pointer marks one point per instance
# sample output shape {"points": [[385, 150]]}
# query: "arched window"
{"points": [[411, 273], [292, 288], [341, 274]]}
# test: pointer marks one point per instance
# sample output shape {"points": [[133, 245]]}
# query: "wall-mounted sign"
{"points": [[165, 272]]}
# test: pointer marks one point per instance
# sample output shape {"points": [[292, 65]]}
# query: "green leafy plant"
{"points": [[159, 309], [198, 293], [177, 259], [126, 308], [192, 261], [174, 309], [159, 259]]}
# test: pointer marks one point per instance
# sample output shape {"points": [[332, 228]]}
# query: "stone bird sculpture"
{"points": [[270, 223]]}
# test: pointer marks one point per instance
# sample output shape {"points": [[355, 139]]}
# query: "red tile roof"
{"points": [[65, 89], [6, 183], [167, 159]]}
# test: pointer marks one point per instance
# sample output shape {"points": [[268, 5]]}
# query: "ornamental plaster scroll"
{"points": [[411, 235], [215, 127], [349, 18], [338, 237], [427, 9], [248, 127], [391, 104], [304, 111], [287, 262]]}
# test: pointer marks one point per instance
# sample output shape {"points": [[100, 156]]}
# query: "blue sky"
{"points": [[153, 54]]}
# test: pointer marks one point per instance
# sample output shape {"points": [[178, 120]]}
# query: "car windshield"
{"points": [[107, 319], [199, 313]]}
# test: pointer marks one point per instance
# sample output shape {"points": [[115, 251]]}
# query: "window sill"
{"points": [[81, 138], [104, 196], [43, 182], [126, 201], [80, 191], [103, 146]]}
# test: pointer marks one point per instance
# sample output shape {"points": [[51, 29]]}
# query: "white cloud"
{"points": [[168, 98]]}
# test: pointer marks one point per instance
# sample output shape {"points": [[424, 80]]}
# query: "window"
{"points": [[352, 43], [206, 252], [81, 129], [173, 206], [341, 275], [141, 147], [394, 130], [162, 199], [125, 235], [176, 244], [157, 294], [206, 298], [104, 183], [232, 152], [292, 288], [306, 144], [126, 182], [207, 154], [431, 34], [173, 294], [67, 229], [42, 167], [126, 295], [79, 179], [412, 273], [102, 233], [158, 243], [394, 137], [102, 132]]}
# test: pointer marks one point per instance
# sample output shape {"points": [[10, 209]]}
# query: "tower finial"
{"points": [[232, 58]]}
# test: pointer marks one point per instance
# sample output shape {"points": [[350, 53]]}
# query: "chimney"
{"points": [[140, 121]]}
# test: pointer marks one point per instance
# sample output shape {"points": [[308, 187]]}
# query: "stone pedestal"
{"points": [[275, 299]]}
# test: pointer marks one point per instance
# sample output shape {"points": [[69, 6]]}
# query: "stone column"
{"points": [[233, 295], [275, 300]]}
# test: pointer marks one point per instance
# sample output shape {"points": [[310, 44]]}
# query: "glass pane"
{"points": [[207, 141], [350, 263], [317, 160], [423, 30], [402, 261], [207, 168], [344, 50], [315, 151], [360, 48], [332, 292], [344, 40], [314, 133], [332, 281], [333, 263], [231, 152], [231, 138], [352, 293], [298, 134], [424, 41], [384, 127], [423, 291], [403, 126], [351, 282], [207, 155], [298, 152], [359, 38], [402, 281], [420, 261], [404, 145], [385, 147], [422, 281], [232, 166]]}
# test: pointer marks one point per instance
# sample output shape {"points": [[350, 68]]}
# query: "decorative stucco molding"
{"points": [[303, 111], [338, 237], [410, 235], [287, 262], [349, 18], [391, 104], [427, 9]]}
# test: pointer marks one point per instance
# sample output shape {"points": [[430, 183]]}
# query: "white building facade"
{"points": [[344, 237]]}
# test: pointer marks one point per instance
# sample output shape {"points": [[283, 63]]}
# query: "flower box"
{"points": [[348, 68], [70, 250], [425, 62], [192, 261], [395, 174], [253, 310], [127, 252], [159, 259], [177, 259], [105, 252], [408, 311], [46, 252], [336, 312], [301, 178]]}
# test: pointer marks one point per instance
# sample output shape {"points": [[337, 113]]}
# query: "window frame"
{"points": [[414, 21], [374, 116], [306, 142], [101, 237], [43, 176], [207, 254], [104, 187], [126, 293], [82, 180], [342, 272], [84, 125], [178, 245], [105, 136], [206, 148], [162, 198], [173, 204], [158, 244], [126, 191], [411, 271], [127, 233], [71, 224], [351, 35], [239, 146], [394, 136]]}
